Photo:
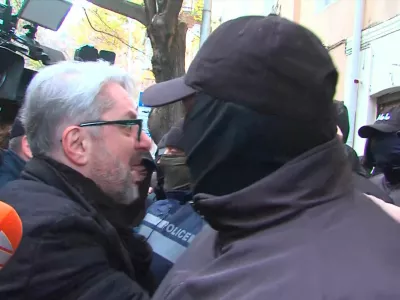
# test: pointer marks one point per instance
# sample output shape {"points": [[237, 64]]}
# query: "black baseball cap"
{"points": [[387, 122], [269, 64]]}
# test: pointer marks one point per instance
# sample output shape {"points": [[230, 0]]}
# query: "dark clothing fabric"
{"points": [[303, 232], [361, 177], [73, 246], [11, 166], [170, 226], [364, 185], [355, 161], [392, 190], [234, 146]]}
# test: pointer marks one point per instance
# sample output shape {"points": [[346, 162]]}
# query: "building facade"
{"points": [[363, 39]]}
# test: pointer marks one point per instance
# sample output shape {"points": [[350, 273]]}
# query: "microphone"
{"points": [[10, 232]]}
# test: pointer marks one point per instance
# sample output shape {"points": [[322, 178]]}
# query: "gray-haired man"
{"points": [[78, 195]]}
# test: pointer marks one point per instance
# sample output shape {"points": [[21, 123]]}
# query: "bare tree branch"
{"points": [[114, 32], [109, 34], [125, 8], [172, 10], [151, 9]]}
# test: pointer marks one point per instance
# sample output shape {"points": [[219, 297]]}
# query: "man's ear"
{"points": [[76, 143], [25, 148]]}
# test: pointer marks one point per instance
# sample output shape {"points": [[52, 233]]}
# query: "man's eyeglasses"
{"points": [[125, 123]]}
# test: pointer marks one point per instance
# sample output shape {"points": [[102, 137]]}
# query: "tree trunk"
{"points": [[168, 39], [168, 62]]}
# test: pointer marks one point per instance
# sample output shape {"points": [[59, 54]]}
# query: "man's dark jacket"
{"points": [[11, 166], [70, 249], [303, 232], [393, 190]]}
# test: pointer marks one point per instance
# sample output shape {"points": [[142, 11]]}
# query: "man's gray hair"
{"points": [[66, 94]]}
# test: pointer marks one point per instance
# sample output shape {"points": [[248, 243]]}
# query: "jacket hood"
{"points": [[316, 177]]}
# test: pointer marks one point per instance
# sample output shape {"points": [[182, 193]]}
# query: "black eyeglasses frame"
{"points": [[127, 122]]}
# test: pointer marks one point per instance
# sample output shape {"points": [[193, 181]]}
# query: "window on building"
{"points": [[322, 4], [388, 101]]}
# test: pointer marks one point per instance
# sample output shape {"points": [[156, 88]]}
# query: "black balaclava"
{"points": [[229, 147], [385, 150]]}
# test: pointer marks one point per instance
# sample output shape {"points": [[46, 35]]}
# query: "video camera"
{"points": [[90, 53], [32, 11], [13, 76]]}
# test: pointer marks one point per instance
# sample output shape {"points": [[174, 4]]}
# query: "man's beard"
{"points": [[114, 178]]}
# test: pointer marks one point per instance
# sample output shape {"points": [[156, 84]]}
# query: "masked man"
{"points": [[383, 151]]}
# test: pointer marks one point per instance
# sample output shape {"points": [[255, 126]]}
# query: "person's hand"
{"points": [[390, 209], [150, 190]]}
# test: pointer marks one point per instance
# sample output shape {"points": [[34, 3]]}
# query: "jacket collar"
{"points": [[76, 186], [86, 194], [82, 190], [316, 177], [132, 249]]}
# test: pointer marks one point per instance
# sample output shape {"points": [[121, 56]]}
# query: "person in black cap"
{"points": [[382, 151], [360, 175], [13, 159], [171, 224], [270, 176]]}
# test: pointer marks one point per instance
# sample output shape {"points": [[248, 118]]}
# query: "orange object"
{"points": [[10, 232]]}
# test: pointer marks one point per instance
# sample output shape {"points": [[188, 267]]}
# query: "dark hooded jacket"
{"points": [[392, 190], [77, 242], [301, 231]]}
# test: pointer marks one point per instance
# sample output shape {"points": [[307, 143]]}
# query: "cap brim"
{"points": [[166, 92], [371, 130]]}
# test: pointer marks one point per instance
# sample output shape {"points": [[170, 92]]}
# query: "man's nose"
{"points": [[145, 143]]}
